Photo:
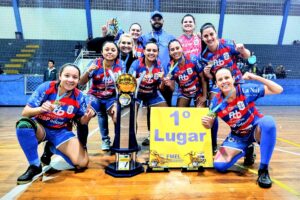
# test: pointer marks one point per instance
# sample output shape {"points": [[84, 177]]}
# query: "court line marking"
{"points": [[17, 190], [277, 182], [13, 193], [289, 142]]}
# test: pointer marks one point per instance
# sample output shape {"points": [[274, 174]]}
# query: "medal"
{"points": [[58, 97], [169, 76], [172, 67], [56, 102], [150, 75]]}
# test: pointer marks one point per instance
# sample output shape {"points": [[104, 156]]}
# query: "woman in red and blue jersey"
{"points": [[104, 73], [135, 30], [219, 53], [47, 116], [235, 104], [188, 75], [148, 72]]}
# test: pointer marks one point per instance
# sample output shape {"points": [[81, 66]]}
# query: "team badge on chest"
{"points": [[241, 105], [226, 56]]}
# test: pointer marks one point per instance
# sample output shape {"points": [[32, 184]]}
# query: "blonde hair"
{"points": [[127, 35]]}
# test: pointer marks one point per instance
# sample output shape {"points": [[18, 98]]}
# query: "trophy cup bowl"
{"points": [[126, 83]]}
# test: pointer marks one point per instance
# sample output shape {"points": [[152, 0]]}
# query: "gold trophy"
{"points": [[125, 144]]}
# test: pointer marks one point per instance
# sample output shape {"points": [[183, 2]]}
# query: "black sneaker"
{"points": [[46, 157], [264, 179], [146, 142], [31, 174], [250, 156]]}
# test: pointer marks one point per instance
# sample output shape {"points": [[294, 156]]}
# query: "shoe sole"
{"points": [[264, 185], [33, 179]]}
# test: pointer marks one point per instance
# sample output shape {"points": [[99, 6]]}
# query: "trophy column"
{"points": [[125, 144]]}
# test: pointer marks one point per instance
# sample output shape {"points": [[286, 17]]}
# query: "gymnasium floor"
{"points": [[59, 182]]}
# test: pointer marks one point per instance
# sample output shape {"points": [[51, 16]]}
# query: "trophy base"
{"points": [[112, 170]]}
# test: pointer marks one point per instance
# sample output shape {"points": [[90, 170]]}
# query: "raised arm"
{"points": [[245, 53], [85, 77], [270, 86]]}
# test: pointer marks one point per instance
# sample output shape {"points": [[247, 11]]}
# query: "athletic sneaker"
{"points": [[264, 179], [31, 174], [250, 155], [146, 141], [46, 157], [105, 145]]}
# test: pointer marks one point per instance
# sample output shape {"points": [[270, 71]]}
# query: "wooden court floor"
{"points": [[239, 183]]}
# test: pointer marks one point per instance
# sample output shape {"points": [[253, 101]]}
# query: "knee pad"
{"points": [[26, 122]]}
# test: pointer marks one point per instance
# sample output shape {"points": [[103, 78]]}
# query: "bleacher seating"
{"points": [[286, 55], [36, 55]]}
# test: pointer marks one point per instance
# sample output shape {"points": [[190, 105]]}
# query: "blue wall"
{"points": [[289, 97], [12, 92]]}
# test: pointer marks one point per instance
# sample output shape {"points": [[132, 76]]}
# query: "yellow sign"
{"points": [[178, 139]]}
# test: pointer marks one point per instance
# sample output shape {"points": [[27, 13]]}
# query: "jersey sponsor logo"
{"points": [[218, 62], [252, 90], [235, 115], [183, 77], [59, 111]]}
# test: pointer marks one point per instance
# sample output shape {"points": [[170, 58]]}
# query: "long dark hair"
{"points": [[151, 41], [203, 27], [111, 42], [135, 23], [188, 15], [62, 68], [169, 44]]}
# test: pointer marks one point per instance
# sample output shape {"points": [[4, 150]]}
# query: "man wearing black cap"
{"points": [[162, 38]]}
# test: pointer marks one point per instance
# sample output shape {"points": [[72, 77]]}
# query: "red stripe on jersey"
{"points": [[69, 101], [52, 89]]}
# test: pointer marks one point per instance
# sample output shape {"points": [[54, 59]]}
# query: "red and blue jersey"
{"points": [[240, 114], [139, 50], [150, 80], [71, 106], [224, 56], [103, 84], [191, 45], [187, 77]]}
